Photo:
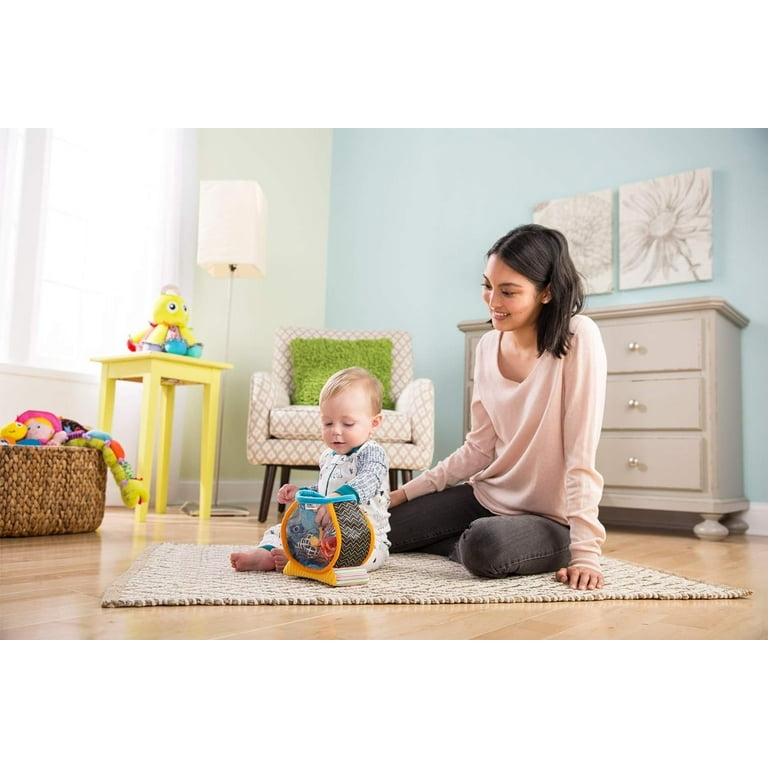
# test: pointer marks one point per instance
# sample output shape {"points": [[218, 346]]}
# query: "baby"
{"points": [[353, 463]]}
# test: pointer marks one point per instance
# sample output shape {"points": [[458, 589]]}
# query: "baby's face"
{"points": [[347, 420]]}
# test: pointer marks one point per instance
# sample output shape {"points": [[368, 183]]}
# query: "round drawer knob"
{"points": [[633, 346], [633, 403], [633, 461]]}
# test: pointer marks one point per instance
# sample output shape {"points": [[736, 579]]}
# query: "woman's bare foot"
{"points": [[258, 559]]}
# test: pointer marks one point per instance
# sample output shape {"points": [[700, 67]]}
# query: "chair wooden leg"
{"points": [[285, 476], [405, 474], [266, 491]]}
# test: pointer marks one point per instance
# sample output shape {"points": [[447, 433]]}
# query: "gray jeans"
{"points": [[454, 524]]}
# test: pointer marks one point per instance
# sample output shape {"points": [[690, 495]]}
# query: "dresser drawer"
{"points": [[636, 462], [648, 345], [654, 404]]}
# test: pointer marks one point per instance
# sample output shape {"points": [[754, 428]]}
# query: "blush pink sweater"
{"points": [[532, 444]]}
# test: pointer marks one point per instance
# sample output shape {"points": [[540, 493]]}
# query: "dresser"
{"points": [[671, 438], [472, 330]]}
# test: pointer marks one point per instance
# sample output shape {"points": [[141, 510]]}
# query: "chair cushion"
{"points": [[314, 360], [302, 422]]}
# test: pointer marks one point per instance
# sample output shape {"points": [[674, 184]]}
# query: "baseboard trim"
{"points": [[233, 491], [756, 518]]}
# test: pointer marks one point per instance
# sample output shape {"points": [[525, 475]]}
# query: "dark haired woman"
{"points": [[521, 495]]}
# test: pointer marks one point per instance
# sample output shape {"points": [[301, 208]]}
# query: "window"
{"points": [[91, 228]]}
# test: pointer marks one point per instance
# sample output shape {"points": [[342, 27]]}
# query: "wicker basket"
{"points": [[51, 489]]}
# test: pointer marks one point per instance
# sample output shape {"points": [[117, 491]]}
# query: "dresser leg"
{"points": [[710, 528], [735, 525]]}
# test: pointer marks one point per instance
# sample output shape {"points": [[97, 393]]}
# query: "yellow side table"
{"points": [[160, 373]]}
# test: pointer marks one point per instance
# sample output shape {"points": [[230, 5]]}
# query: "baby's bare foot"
{"points": [[256, 560]]}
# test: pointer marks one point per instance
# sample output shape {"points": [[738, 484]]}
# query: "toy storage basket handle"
{"points": [[307, 496]]}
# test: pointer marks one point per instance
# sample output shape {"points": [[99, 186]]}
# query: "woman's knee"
{"points": [[480, 549], [495, 547]]}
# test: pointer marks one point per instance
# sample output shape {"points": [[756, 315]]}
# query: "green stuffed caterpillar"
{"points": [[132, 490]]}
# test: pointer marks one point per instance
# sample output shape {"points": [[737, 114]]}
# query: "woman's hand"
{"points": [[397, 497], [578, 577]]}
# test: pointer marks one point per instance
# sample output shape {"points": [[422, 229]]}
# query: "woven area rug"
{"points": [[190, 574]]}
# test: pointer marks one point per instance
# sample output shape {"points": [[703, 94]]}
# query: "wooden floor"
{"points": [[50, 588]]}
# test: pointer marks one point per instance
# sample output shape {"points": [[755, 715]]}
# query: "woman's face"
{"points": [[512, 299]]}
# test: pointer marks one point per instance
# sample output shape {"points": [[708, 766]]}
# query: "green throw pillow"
{"points": [[314, 360]]}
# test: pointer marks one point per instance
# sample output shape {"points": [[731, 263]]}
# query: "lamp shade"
{"points": [[232, 227]]}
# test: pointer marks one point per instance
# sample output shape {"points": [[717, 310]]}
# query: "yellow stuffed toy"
{"points": [[168, 330], [11, 433]]}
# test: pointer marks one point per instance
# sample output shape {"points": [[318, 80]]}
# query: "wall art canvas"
{"points": [[587, 223], [665, 230]]}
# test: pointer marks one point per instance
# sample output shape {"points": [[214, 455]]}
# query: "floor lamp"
{"points": [[231, 243]]}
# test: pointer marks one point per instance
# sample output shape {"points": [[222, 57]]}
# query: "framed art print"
{"points": [[665, 230], [587, 223]]}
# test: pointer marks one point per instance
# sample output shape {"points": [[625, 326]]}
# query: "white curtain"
{"points": [[92, 224]]}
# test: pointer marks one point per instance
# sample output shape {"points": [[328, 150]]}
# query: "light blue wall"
{"points": [[413, 212]]}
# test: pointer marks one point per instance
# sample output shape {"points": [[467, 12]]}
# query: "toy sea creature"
{"points": [[168, 330]]}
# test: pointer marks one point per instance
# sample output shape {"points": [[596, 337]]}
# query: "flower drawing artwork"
{"points": [[587, 223], [665, 230]]}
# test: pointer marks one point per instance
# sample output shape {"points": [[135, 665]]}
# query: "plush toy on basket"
{"points": [[168, 330], [333, 554], [34, 428], [46, 429]]}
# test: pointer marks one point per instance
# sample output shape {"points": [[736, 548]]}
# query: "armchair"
{"points": [[287, 436]]}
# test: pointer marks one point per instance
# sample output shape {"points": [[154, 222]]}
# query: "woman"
{"points": [[530, 500]]}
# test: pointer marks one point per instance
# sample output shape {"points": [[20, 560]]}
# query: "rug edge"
{"points": [[736, 592], [111, 596]]}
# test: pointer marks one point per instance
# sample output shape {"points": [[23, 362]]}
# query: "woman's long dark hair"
{"points": [[541, 255]]}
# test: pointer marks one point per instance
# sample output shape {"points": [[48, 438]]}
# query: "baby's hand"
{"points": [[323, 516], [287, 494]]}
